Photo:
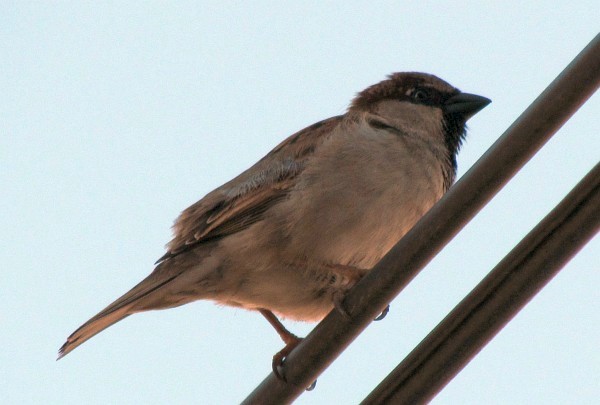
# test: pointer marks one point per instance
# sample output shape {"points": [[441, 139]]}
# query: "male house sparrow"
{"points": [[293, 233]]}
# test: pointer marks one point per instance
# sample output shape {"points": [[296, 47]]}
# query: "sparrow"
{"points": [[292, 234]]}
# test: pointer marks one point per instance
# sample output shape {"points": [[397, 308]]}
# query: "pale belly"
{"points": [[288, 261]]}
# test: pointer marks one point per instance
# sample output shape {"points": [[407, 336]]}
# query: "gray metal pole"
{"points": [[496, 299], [463, 201]]}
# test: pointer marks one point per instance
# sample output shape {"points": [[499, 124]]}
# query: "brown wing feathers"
{"points": [[241, 202]]}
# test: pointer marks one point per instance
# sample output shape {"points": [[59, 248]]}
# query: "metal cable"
{"points": [[462, 202]]}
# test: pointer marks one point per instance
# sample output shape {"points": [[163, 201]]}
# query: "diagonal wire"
{"points": [[462, 202], [496, 299]]}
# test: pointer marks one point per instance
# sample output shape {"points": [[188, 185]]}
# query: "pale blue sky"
{"points": [[115, 116]]}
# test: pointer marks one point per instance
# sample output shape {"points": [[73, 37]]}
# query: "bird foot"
{"points": [[279, 360], [383, 313], [338, 304]]}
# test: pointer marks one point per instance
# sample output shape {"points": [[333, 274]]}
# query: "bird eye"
{"points": [[420, 95]]}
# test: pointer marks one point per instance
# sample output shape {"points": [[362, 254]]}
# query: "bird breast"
{"points": [[364, 189]]}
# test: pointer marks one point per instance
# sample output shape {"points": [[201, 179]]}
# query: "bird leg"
{"points": [[338, 304], [290, 340], [352, 276], [349, 276]]}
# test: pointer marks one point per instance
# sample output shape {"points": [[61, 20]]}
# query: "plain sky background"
{"points": [[115, 116]]}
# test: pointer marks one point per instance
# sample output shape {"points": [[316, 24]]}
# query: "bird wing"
{"points": [[243, 201]]}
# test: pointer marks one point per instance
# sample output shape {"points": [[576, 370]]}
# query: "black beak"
{"points": [[466, 105]]}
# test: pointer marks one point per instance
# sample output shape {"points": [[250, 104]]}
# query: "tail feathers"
{"points": [[95, 325], [121, 308]]}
